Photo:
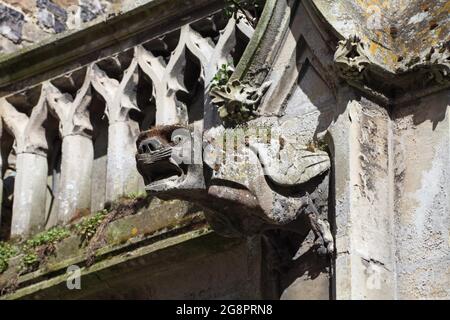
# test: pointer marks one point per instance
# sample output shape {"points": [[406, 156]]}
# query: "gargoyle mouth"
{"points": [[156, 165]]}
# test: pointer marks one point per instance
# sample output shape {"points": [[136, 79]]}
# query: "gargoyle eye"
{"points": [[150, 145], [177, 139], [228, 90]]}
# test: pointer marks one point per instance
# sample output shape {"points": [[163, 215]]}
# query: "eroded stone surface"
{"points": [[28, 22]]}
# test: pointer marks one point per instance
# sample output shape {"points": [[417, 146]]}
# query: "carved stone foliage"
{"points": [[237, 102], [351, 58], [429, 71], [435, 64]]}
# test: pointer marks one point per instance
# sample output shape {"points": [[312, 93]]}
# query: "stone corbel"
{"points": [[407, 78]]}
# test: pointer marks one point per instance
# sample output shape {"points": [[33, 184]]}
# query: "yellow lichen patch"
{"points": [[379, 34], [373, 48], [134, 231], [444, 9]]}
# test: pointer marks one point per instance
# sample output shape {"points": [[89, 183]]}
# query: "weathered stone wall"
{"points": [[422, 178], [27, 22]]}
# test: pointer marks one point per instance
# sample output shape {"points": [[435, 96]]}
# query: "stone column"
{"points": [[122, 177], [121, 168], [32, 169], [76, 170], [74, 192], [29, 194], [365, 243]]}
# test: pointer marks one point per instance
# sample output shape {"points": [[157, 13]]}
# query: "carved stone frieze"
{"points": [[99, 109]]}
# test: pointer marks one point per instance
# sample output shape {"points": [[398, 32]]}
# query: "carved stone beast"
{"points": [[248, 180], [248, 170]]}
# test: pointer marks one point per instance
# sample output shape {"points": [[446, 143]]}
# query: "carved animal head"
{"points": [[164, 160]]}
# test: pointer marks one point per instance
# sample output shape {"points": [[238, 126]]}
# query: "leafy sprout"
{"points": [[7, 251], [222, 76]]}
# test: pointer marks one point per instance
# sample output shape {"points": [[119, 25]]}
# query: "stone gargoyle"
{"points": [[249, 172], [247, 179]]}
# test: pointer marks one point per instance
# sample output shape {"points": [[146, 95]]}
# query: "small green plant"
{"points": [[136, 195], [7, 251], [49, 237], [41, 245], [222, 76], [30, 260], [88, 226]]}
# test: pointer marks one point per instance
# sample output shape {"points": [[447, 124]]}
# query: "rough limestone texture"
{"points": [[27, 22], [422, 176]]}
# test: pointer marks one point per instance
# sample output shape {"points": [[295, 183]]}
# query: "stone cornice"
{"points": [[68, 51]]}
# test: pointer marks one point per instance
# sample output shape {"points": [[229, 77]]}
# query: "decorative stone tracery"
{"points": [[162, 67]]}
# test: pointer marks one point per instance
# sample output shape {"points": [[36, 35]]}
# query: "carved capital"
{"points": [[72, 113], [172, 80], [120, 96], [28, 130]]}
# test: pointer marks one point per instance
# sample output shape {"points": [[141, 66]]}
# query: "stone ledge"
{"points": [[155, 227], [142, 250]]}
